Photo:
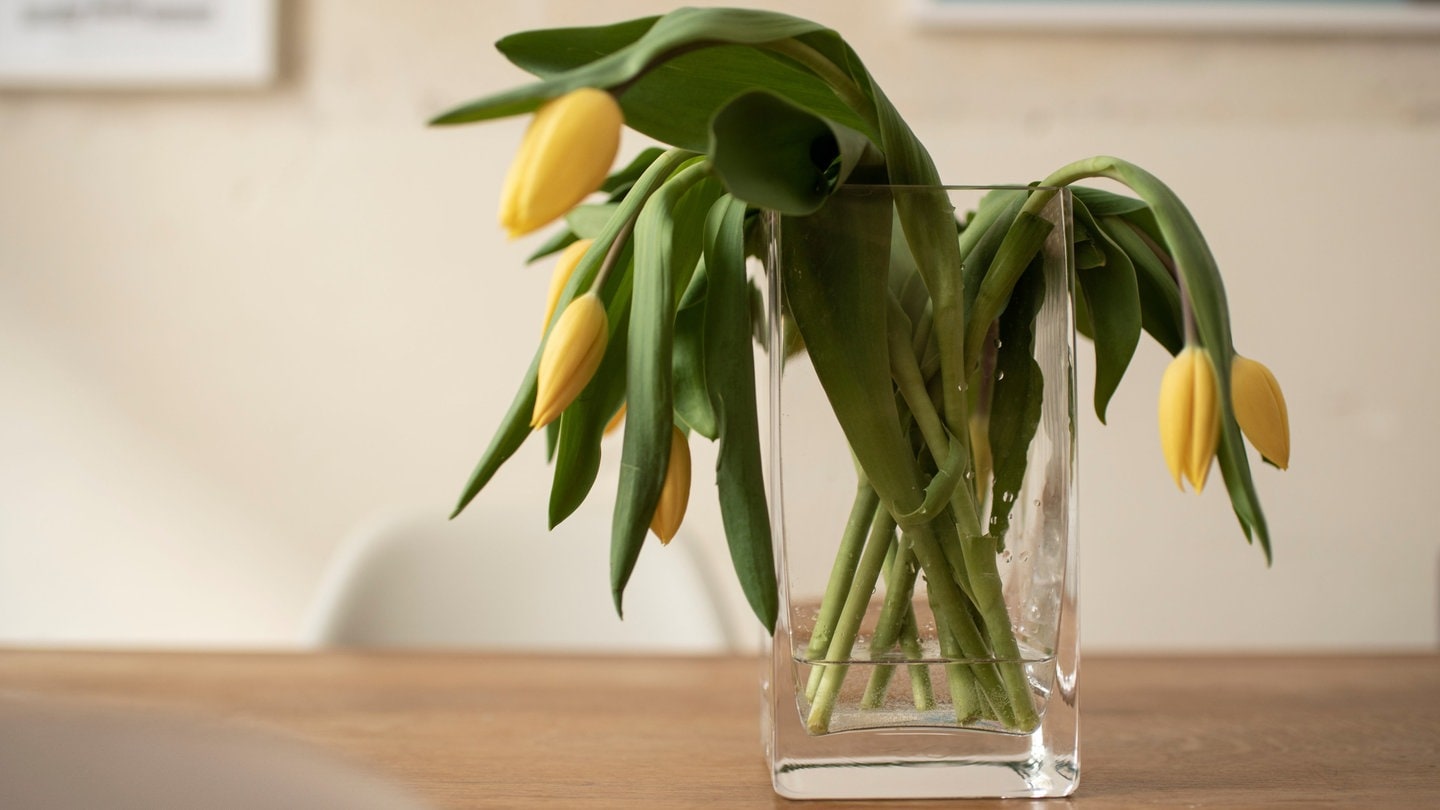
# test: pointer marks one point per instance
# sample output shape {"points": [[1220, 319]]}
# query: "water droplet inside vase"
{"points": [[999, 375]]}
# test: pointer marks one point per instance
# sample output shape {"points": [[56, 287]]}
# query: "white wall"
{"points": [[233, 325]]}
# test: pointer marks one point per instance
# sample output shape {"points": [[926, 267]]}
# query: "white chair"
{"points": [[494, 578]]}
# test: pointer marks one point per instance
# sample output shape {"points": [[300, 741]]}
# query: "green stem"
{"points": [[842, 574], [848, 626]]}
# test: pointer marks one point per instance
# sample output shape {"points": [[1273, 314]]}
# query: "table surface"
{"points": [[491, 730]]}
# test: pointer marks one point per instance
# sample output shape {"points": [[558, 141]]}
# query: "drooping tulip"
{"points": [[1260, 409], [675, 494], [564, 268], [565, 155], [1189, 416], [573, 352]]}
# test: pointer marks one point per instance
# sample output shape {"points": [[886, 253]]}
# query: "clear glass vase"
{"points": [[931, 653]]}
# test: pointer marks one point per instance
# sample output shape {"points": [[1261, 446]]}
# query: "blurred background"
{"points": [[235, 325]]}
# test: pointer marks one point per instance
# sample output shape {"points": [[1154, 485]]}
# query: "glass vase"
{"points": [[925, 652]]}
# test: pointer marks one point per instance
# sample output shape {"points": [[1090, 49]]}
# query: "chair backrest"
{"points": [[494, 578]]}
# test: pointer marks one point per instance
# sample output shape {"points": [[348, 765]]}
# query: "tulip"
{"points": [[675, 493], [572, 354], [564, 269], [1260, 409], [565, 155], [1189, 416]]}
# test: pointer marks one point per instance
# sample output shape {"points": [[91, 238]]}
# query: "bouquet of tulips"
{"points": [[766, 113]]}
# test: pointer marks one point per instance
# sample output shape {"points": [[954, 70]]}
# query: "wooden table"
{"points": [[487, 730]]}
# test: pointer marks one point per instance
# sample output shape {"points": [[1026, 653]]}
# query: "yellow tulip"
{"points": [[1189, 416], [675, 494], [564, 269], [1260, 409], [565, 155], [572, 354]]}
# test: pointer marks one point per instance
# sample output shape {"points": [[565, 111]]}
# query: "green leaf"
{"points": [[650, 413], [619, 182], [1018, 395], [1159, 297], [776, 155], [675, 71], [692, 396], [557, 242], [828, 262], [1112, 299], [590, 220], [983, 234], [515, 425], [739, 476], [1103, 203]]}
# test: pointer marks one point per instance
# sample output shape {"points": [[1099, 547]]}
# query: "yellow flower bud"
{"points": [[1189, 416], [1260, 409], [565, 155], [572, 354], [564, 269], [675, 495]]}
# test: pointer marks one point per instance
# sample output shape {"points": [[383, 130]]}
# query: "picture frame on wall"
{"points": [[1335, 17], [129, 44]]}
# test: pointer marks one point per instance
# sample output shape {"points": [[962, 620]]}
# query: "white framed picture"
{"points": [[137, 43], [1333, 17]]}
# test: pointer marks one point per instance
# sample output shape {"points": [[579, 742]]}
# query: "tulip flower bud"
{"points": [[564, 269], [565, 155], [572, 354], [1260, 409], [1189, 416], [675, 494]]}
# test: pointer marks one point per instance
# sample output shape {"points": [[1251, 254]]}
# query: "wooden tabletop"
{"points": [[487, 730]]}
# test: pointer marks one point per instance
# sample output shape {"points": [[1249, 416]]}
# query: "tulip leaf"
{"points": [[619, 182], [649, 396], [515, 425], [1018, 395], [589, 221], [692, 397], [775, 155], [557, 242], [1101, 203], [1112, 298], [1159, 297], [708, 58], [739, 476], [828, 262], [983, 234]]}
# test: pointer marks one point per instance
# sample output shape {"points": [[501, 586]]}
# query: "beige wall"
{"points": [[233, 325]]}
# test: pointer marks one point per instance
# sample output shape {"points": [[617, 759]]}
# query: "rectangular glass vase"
{"points": [[965, 690]]}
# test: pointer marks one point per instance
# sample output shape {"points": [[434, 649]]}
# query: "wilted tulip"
{"points": [[566, 153], [675, 495], [1189, 416], [572, 354], [564, 268], [1260, 409]]}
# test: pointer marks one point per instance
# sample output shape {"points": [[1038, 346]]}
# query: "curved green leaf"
{"points": [[1159, 297], [672, 101], [773, 154], [1112, 298], [650, 413], [739, 476], [1017, 399]]}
